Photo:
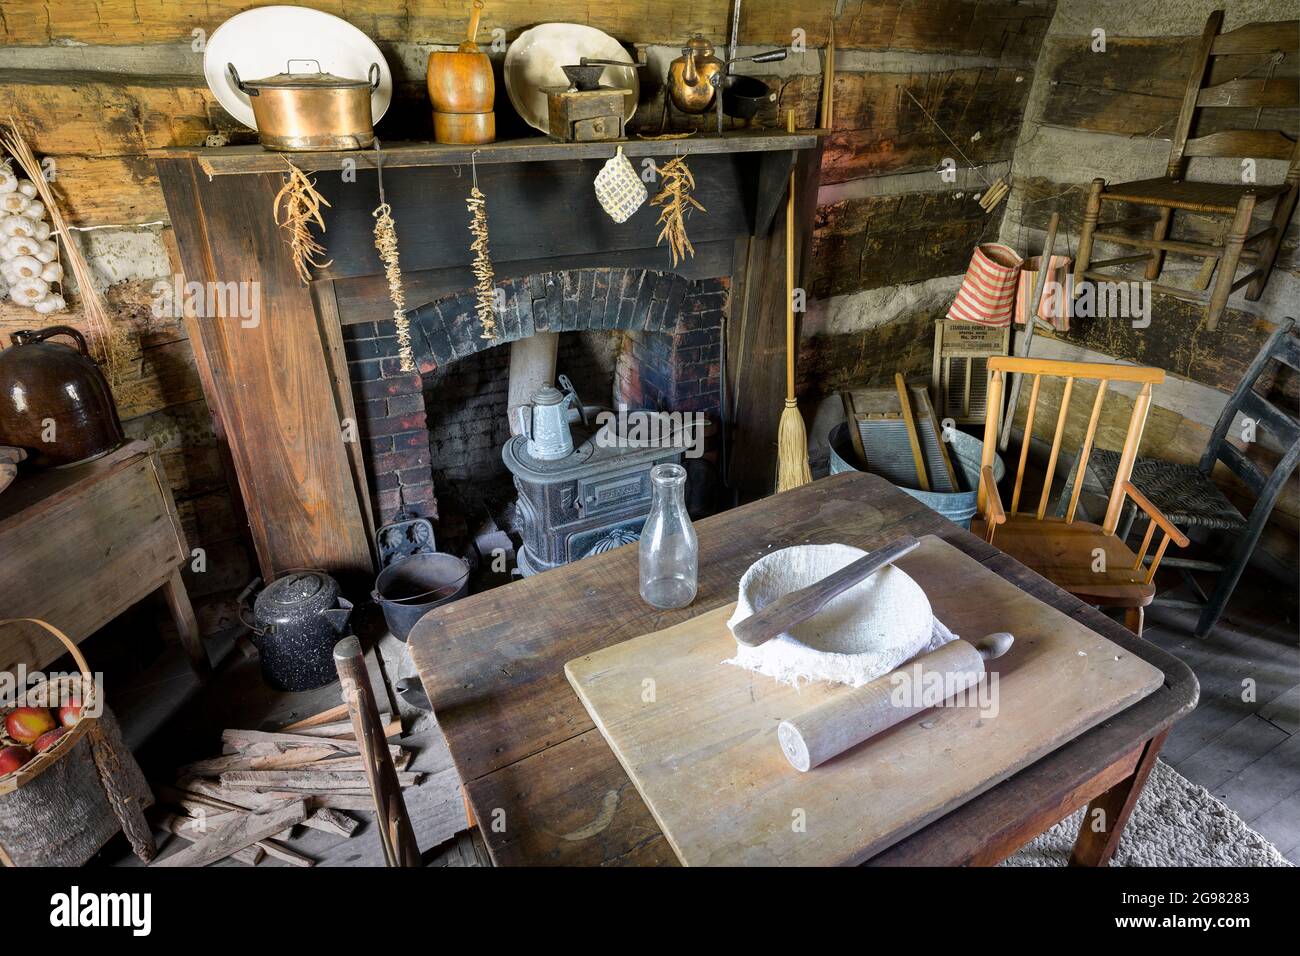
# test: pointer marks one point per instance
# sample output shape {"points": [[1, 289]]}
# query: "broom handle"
{"points": [[789, 275], [1049, 246]]}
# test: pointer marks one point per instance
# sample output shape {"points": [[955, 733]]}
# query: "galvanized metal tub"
{"points": [[965, 452]]}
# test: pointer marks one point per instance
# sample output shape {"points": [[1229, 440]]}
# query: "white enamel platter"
{"points": [[260, 42], [534, 60]]}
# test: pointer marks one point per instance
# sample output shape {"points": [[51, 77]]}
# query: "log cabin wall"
{"points": [[94, 93], [1108, 114], [893, 236]]}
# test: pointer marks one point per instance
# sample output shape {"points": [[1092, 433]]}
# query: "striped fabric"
{"points": [[1052, 307], [988, 293]]}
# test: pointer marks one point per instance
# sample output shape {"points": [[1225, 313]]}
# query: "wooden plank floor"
{"points": [[1242, 743]]}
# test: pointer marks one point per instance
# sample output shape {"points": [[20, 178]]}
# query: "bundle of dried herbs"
{"points": [[677, 202], [386, 243], [484, 277], [296, 206]]}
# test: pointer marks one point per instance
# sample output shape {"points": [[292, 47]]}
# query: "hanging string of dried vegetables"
{"points": [[296, 206], [484, 276], [677, 202], [386, 243]]}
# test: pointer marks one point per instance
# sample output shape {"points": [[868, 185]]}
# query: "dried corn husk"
{"points": [[677, 202], [296, 206]]}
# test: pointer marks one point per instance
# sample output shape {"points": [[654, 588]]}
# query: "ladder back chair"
{"points": [[1189, 496], [1251, 49], [1088, 560]]}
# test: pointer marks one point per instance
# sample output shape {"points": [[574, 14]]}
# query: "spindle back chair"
{"points": [[1248, 56], [1088, 560]]}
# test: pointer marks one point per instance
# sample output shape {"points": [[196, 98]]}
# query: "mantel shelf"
{"points": [[235, 160]]}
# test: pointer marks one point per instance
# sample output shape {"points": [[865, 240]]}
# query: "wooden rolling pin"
{"points": [[811, 739]]}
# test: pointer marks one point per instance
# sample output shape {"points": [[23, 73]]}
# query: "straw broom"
{"points": [[792, 439]]}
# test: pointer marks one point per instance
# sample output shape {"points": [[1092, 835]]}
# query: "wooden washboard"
{"points": [[960, 375]]}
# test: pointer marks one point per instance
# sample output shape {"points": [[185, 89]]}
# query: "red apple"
{"points": [[11, 758], [70, 713], [25, 724], [47, 740]]}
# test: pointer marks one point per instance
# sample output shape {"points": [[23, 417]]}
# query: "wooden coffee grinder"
{"points": [[463, 90], [587, 111]]}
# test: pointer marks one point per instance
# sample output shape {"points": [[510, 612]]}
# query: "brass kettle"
{"points": [[691, 84]]}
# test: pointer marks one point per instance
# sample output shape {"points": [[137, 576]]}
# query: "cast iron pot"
{"points": [[54, 400], [297, 620]]}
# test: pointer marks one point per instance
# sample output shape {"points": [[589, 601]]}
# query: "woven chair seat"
{"points": [[1185, 495], [1181, 194]]}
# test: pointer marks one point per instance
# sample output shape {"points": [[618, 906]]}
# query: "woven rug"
{"points": [[1175, 823]]}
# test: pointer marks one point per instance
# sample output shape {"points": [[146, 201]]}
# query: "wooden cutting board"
{"points": [[698, 737]]}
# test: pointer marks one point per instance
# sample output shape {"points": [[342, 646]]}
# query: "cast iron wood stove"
{"points": [[594, 499]]}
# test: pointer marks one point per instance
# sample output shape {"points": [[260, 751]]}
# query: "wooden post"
{"points": [[994, 403], [1090, 211], [400, 848], [1231, 255], [1128, 455]]}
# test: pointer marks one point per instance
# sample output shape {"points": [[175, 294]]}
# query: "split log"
{"points": [[285, 855], [306, 781], [204, 795], [241, 739], [343, 729], [238, 834], [183, 827], [259, 757]]}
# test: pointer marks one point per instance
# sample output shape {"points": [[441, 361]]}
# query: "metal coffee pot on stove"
{"points": [[545, 422]]}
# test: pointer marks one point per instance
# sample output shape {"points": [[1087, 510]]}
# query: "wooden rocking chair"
{"points": [[1088, 560], [1250, 44]]}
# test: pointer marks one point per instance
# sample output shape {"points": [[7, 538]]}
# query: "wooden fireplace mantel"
{"points": [[280, 392]]}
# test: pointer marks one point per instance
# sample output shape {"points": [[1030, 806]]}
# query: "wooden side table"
{"points": [[81, 544]]}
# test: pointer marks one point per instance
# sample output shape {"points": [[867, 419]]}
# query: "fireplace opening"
{"points": [[438, 442]]}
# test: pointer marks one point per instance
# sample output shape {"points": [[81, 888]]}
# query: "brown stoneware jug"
{"points": [[54, 400]]}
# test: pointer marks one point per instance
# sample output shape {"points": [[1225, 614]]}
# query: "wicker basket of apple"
{"points": [[68, 783]]}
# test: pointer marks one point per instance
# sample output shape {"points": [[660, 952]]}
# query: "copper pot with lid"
{"points": [[54, 399], [310, 111]]}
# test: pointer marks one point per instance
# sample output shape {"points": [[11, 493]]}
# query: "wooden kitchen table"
{"points": [[547, 789]]}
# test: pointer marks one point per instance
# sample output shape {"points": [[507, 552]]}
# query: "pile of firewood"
{"points": [[243, 803]]}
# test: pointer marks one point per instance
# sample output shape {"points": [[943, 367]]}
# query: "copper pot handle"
{"points": [[27, 336], [373, 76], [239, 84]]}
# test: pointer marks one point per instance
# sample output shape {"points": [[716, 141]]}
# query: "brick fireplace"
{"points": [[666, 357]]}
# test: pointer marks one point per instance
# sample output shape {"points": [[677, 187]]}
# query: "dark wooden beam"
{"points": [[756, 338], [269, 383], [534, 210], [365, 298]]}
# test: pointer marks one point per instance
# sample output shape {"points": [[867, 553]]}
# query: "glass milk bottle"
{"points": [[670, 552]]}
